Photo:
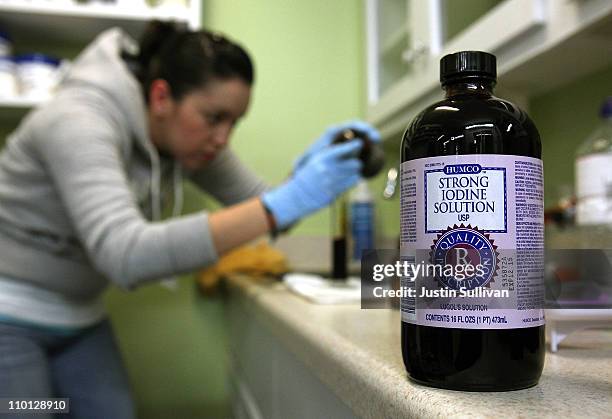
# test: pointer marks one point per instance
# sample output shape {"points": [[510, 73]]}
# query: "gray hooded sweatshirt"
{"points": [[81, 184]]}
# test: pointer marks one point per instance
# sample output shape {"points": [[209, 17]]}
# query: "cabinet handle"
{"points": [[389, 190], [411, 55]]}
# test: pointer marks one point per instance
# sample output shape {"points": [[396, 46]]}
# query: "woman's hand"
{"points": [[322, 173], [316, 183], [328, 136]]}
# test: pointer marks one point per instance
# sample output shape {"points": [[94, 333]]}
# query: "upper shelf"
{"points": [[396, 42], [66, 22], [19, 103], [76, 23]]}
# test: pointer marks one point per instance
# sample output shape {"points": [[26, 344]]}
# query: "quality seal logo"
{"points": [[465, 245]]}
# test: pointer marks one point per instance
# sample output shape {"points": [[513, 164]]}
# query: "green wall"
{"points": [[310, 73]]}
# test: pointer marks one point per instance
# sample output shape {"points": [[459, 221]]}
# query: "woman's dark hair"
{"points": [[187, 59]]}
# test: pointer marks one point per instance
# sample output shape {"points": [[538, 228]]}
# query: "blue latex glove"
{"points": [[315, 184], [330, 133]]}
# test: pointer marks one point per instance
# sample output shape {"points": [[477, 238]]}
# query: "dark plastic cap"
{"points": [[36, 57], [5, 36], [371, 155], [467, 65], [606, 108]]}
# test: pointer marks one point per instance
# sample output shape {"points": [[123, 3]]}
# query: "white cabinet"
{"points": [[539, 44], [267, 379], [400, 35], [64, 22]]}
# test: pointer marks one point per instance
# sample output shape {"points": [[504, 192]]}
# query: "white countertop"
{"points": [[357, 353]]}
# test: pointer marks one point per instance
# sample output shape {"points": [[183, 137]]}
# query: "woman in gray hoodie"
{"points": [[82, 183]]}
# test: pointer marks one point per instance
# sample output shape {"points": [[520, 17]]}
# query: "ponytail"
{"points": [[188, 60], [155, 35]]}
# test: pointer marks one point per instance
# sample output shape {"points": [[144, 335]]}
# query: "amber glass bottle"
{"points": [[472, 191]]}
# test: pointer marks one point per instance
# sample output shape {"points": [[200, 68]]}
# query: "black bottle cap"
{"points": [[372, 154], [467, 65], [606, 108]]}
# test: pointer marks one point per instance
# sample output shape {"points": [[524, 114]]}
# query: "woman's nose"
{"points": [[222, 135]]}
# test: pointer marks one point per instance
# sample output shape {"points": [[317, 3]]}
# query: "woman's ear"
{"points": [[160, 98]]}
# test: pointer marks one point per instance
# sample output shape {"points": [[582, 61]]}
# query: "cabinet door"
{"points": [[401, 34], [405, 78], [489, 25]]}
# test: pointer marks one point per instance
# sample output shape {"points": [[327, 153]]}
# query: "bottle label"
{"points": [[594, 189], [362, 226], [472, 227]]}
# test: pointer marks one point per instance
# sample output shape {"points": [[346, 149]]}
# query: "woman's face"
{"points": [[195, 128]]}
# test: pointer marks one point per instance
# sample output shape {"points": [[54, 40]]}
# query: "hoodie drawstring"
{"points": [[155, 185], [177, 177], [177, 188]]}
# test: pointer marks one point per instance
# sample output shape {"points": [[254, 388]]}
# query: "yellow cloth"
{"points": [[256, 260]]}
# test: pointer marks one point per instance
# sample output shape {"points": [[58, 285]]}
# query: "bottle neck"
{"points": [[477, 87]]}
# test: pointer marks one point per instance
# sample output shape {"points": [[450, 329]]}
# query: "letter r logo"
{"points": [[462, 255]]}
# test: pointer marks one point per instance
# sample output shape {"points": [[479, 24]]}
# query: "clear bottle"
{"points": [[362, 219], [471, 191], [373, 159], [594, 173]]}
